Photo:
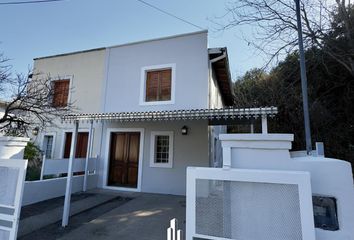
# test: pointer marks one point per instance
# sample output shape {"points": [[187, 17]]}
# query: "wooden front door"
{"points": [[124, 159]]}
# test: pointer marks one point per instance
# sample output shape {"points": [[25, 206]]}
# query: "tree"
{"points": [[28, 101], [331, 98], [275, 30]]}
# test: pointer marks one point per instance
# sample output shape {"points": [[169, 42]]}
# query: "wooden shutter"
{"points": [[152, 86], [67, 145], [81, 145], [158, 85], [165, 85], [60, 93], [82, 142]]}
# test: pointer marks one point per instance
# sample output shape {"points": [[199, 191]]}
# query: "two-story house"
{"points": [[145, 109]]}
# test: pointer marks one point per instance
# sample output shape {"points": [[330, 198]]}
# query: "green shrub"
{"points": [[33, 154]]}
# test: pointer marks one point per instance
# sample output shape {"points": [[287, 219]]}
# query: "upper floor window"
{"points": [[158, 84], [60, 93]]}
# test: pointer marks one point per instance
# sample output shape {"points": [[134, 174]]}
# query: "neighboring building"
{"points": [[139, 95]]}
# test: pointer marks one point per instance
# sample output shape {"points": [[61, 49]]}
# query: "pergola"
{"points": [[219, 116]]}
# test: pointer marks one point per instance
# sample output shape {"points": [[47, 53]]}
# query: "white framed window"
{"points": [[61, 86], [48, 145], [161, 151], [158, 84]]}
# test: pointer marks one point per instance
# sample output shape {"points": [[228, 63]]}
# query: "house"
{"points": [[147, 110]]}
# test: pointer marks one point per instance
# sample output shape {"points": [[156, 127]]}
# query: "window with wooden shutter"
{"points": [[158, 85], [81, 144], [60, 93]]}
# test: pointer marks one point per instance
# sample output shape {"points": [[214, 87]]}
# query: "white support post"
{"points": [[252, 128], [66, 212], [42, 169], [226, 153], [264, 124], [88, 155]]}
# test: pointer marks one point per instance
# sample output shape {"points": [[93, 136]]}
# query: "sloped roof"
{"points": [[220, 65]]}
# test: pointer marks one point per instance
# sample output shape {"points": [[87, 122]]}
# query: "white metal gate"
{"points": [[248, 204], [12, 176]]}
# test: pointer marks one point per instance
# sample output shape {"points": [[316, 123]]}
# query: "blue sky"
{"points": [[34, 30]]}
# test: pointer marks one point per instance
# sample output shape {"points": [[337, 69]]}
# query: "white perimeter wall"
{"points": [[190, 55], [37, 191], [189, 150]]}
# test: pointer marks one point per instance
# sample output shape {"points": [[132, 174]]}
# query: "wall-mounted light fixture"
{"points": [[35, 131], [184, 130]]}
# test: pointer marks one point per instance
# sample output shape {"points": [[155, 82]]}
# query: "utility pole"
{"points": [[303, 81]]}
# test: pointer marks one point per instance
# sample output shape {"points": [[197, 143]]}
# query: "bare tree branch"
{"points": [[274, 29], [29, 101]]}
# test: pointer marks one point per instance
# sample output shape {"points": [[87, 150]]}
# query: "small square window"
{"points": [[157, 84], [161, 149]]}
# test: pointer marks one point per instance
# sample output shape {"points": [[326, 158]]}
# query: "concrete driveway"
{"points": [[147, 216]]}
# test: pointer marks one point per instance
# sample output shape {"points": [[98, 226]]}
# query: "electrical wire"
{"points": [[141, 1], [169, 14], [29, 2]]}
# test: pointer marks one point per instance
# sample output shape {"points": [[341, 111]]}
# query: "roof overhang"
{"points": [[219, 60], [176, 115]]}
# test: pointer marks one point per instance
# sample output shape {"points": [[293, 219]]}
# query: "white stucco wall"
{"points": [[188, 150], [86, 70], [189, 54], [329, 177]]}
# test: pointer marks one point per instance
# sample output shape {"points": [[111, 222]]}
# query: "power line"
{"points": [[169, 14], [29, 2]]}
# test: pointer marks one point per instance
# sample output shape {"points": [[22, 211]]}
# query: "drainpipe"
{"points": [[218, 58]]}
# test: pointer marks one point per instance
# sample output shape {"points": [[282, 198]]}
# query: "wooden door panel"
{"points": [[124, 159]]}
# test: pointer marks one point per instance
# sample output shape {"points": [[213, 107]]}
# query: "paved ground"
{"points": [[146, 217], [127, 216]]}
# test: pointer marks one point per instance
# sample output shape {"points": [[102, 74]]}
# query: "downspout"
{"points": [[218, 58]]}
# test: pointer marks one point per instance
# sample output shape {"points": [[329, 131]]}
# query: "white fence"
{"points": [[248, 204], [36, 191], [58, 166], [12, 174]]}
